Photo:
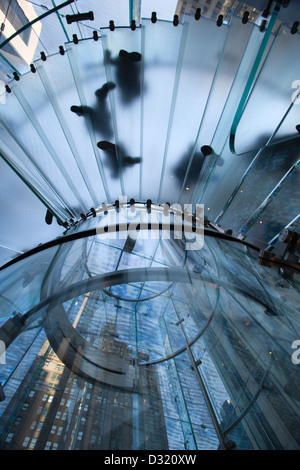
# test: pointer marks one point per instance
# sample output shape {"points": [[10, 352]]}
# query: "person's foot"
{"points": [[131, 56], [105, 145], [77, 110], [103, 91], [49, 217], [131, 160]]}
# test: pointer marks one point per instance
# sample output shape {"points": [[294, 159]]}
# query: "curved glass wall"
{"points": [[139, 343], [144, 327]]}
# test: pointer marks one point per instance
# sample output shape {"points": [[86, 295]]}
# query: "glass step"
{"points": [[123, 61], [162, 45], [200, 53], [241, 48]]}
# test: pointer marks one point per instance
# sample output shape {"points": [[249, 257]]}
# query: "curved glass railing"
{"points": [[213, 339]]}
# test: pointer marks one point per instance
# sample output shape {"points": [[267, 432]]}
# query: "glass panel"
{"points": [[200, 57], [239, 54], [93, 100], [270, 166], [283, 206], [271, 96], [30, 174], [122, 50], [21, 284], [16, 122], [34, 102], [243, 354], [57, 79], [161, 48]]}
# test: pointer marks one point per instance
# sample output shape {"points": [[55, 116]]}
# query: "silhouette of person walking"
{"points": [[128, 73], [128, 80], [99, 115]]}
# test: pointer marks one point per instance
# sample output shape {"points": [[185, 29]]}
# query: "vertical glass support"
{"points": [[161, 46], [135, 11], [202, 385], [181, 407], [98, 121], [173, 104], [60, 21]]}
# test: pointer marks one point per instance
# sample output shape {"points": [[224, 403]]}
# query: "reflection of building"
{"points": [[55, 409], [13, 17]]}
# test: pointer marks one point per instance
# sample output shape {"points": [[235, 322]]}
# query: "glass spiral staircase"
{"points": [[179, 93], [192, 349]]}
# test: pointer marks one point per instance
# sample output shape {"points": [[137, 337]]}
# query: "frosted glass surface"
{"points": [[57, 78], [271, 96], [34, 101], [201, 53], [87, 65], [125, 99], [161, 48], [231, 76], [19, 154]]}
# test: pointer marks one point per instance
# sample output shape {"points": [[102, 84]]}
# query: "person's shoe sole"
{"points": [[131, 56], [105, 145], [77, 110]]}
